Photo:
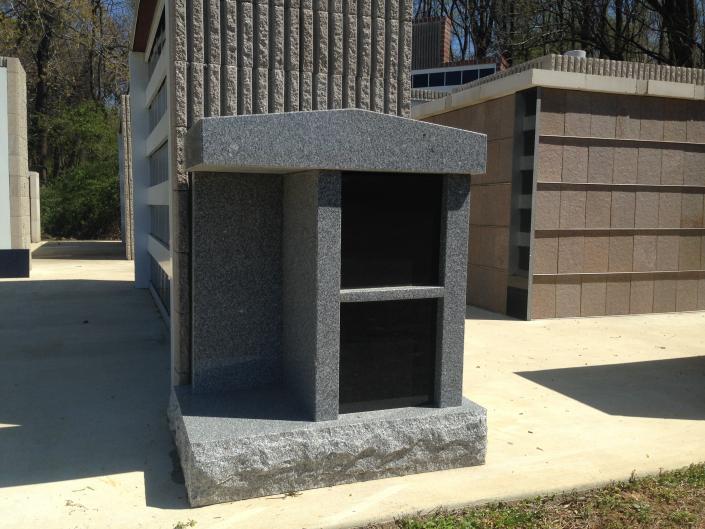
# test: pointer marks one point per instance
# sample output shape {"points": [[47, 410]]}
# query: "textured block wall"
{"points": [[126, 187], [490, 201], [20, 231], [618, 219], [250, 57], [232, 57]]}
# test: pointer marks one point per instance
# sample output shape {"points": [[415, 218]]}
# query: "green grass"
{"points": [[668, 501]]}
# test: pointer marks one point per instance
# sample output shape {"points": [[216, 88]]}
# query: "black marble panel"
{"points": [[391, 227], [387, 354], [14, 263]]}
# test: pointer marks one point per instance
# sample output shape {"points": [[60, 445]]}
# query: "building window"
{"points": [[527, 182], [419, 80], [436, 79], [523, 257], [159, 223], [469, 76], [161, 283], [528, 139], [453, 78], [486, 71], [157, 108], [159, 165], [157, 46], [525, 220]]}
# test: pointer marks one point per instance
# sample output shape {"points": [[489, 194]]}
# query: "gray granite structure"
{"points": [[328, 303]]}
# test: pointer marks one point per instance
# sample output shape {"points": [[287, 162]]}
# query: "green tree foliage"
{"points": [[83, 201], [75, 56]]}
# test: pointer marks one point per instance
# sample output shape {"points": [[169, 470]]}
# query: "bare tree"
{"points": [[663, 31]]}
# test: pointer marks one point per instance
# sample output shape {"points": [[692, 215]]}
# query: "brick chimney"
{"points": [[430, 42]]}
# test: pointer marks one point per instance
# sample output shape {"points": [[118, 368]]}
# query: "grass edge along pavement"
{"points": [[672, 499]]}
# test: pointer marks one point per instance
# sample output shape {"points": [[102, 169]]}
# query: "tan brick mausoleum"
{"points": [[592, 203]]}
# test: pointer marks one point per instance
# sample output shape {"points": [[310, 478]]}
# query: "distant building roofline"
{"points": [[569, 73]]}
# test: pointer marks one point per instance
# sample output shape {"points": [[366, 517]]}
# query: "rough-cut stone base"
{"points": [[229, 451]]}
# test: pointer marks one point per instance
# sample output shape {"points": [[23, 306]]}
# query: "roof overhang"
{"points": [[143, 23], [338, 140]]}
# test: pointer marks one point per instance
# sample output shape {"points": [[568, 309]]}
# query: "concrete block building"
{"points": [[202, 58], [15, 231], [592, 203]]}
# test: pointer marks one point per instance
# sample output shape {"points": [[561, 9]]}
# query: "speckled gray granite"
{"points": [[360, 295], [266, 307], [311, 283], [257, 444], [237, 283], [348, 140], [453, 263]]}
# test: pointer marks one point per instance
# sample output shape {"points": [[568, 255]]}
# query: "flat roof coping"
{"points": [[570, 73], [338, 140]]}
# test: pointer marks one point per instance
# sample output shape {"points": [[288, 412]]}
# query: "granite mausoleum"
{"points": [[328, 324], [308, 241], [593, 199]]}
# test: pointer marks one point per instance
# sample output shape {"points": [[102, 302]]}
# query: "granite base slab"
{"points": [[257, 443]]}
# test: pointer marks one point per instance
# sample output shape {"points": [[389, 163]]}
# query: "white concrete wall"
{"points": [[140, 166], [126, 192], [34, 207], [17, 152], [145, 142], [5, 239]]}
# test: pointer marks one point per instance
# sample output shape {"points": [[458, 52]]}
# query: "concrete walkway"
{"points": [[84, 382]]}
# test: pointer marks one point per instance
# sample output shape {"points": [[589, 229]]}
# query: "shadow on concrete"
{"points": [[663, 389], [80, 250], [270, 403], [84, 385], [476, 313]]}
